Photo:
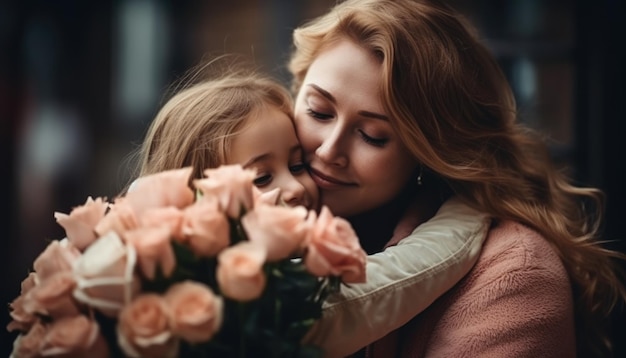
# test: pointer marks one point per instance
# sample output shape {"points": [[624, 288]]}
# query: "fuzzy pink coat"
{"points": [[516, 302]]}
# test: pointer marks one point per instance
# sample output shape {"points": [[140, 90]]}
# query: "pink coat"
{"points": [[516, 302]]}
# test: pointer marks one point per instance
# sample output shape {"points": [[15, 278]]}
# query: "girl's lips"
{"points": [[327, 182]]}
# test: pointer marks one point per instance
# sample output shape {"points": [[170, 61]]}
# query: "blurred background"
{"points": [[81, 80]]}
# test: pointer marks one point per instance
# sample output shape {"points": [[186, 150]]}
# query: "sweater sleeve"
{"points": [[402, 280]]}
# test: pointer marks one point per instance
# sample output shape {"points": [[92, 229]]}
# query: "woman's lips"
{"points": [[327, 182]]}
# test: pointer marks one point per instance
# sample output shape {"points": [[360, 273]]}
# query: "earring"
{"points": [[419, 176]]}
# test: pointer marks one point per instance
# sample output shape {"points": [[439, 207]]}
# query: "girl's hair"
{"points": [[195, 126], [454, 110]]}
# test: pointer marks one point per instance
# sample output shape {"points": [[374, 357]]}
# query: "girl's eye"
{"points": [[262, 181], [297, 168], [317, 115], [378, 142]]}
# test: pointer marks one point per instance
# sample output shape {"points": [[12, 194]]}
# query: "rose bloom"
{"points": [[143, 328], [28, 283], [20, 319], [333, 249], [169, 216], [28, 344], [154, 249], [166, 188], [240, 271], [75, 336], [231, 185], [53, 297], [205, 228], [80, 224], [120, 218], [265, 198], [195, 311], [58, 256], [105, 275], [282, 230]]}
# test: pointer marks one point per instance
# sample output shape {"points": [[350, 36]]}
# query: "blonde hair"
{"points": [[195, 126], [454, 110]]}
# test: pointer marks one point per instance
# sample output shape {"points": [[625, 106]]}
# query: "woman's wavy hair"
{"points": [[209, 106], [454, 110]]}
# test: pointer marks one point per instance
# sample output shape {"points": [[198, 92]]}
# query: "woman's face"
{"points": [[355, 156]]}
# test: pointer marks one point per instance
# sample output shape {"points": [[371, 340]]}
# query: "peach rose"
{"points": [[166, 188], [105, 275], [120, 218], [76, 336], [80, 224], [265, 198], [205, 228], [58, 256], [282, 230], [53, 297], [28, 345], [195, 311], [169, 216], [20, 319], [29, 282], [154, 249], [231, 185], [333, 249], [240, 271], [143, 329]]}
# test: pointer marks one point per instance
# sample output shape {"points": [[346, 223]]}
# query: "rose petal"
{"points": [[195, 311], [240, 271]]}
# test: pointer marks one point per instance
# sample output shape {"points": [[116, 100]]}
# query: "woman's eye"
{"points": [[297, 168], [262, 180], [317, 115], [378, 142]]}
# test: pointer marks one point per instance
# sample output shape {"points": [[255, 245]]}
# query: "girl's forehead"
{"points": [[268, 122], [270, 134]]}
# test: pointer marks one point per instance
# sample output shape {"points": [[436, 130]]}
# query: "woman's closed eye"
{"points": [[378, 142], [318, 115], [375, 141]]}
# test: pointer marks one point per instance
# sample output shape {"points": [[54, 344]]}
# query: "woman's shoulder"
{"points": [[516, 301], [517, 243], [514, 250]]}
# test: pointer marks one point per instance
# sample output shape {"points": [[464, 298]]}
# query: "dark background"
{"points": [[80, 81]]}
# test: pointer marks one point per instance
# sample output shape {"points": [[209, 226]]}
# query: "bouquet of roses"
{"points": [[167, 271]]}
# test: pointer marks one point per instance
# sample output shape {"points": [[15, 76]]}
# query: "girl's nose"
{"points": [[293, 193]]}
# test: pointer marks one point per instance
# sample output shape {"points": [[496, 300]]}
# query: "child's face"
{"points": [[268, 143]]}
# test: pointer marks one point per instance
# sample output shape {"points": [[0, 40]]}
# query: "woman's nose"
{"points": [[330, 150]]}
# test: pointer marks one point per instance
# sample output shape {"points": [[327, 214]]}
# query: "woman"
{"points": [[395, 93]]}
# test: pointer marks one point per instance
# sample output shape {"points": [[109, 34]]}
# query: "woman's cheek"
{"points": [[307, 134]]}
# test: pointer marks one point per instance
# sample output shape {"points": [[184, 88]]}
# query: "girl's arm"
{"points": [[402, 280]]}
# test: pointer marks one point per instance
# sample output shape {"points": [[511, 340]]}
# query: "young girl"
{"points": [[245, 118]]}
